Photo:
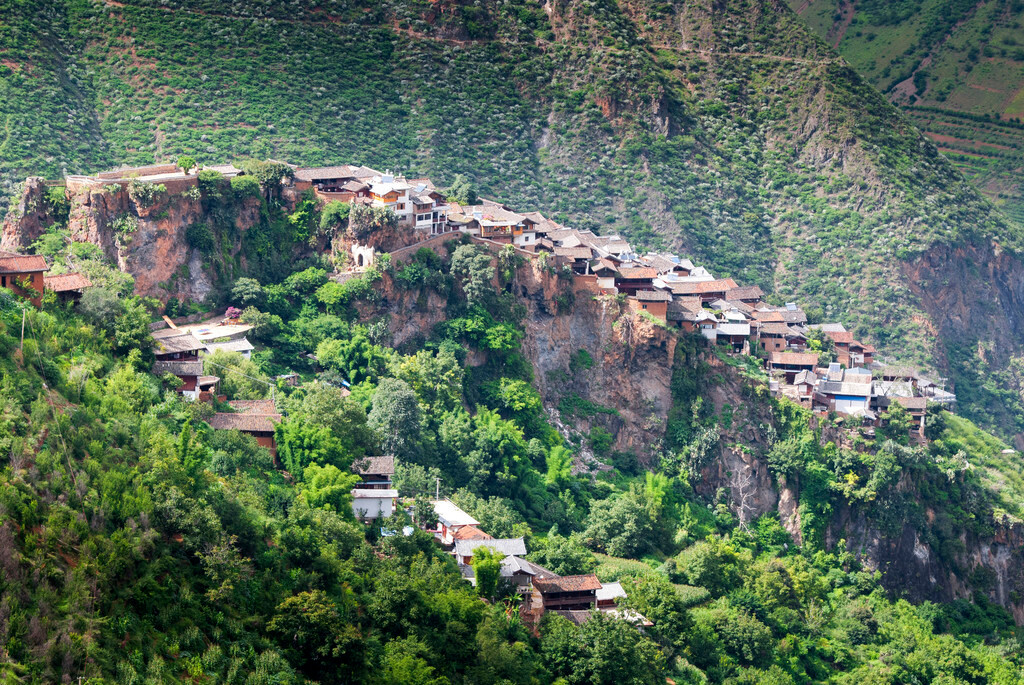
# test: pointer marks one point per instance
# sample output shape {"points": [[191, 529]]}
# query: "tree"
{"points": [[186, 163], [462, 191], [366, 219], [247, 292], [714, 563], [101, 306], [305, 283], [300, 443], [413, 479], [356, 359], [240, 378], [495, 514], [328, 487], [566, 556], [264, 326], [896, 424], [602, 651], [318, 636], [325, 405], [334, 217], [436, 378], [487, 571], [625, 526], [131, 327], [473, 266], [395, 416], [559, 462]]}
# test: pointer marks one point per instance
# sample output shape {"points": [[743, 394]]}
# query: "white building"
{"points": [[450, 518], [373, 504], [387, 191]]}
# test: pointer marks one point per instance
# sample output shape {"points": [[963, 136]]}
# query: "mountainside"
{"points": [[725, 130], [956, 67]]}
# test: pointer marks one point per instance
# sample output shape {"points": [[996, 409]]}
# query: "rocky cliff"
{"points": [[148, 240]]}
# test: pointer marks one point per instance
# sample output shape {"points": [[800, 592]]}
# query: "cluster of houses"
{"points": [[25, 275], [671, 290], [574, 597]]}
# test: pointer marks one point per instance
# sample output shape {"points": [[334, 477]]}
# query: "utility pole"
{"points": [[437, 491], [22, 347]]}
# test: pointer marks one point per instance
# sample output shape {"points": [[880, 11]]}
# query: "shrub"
{"points": [[245, 186], [200, 237], [126, 224], [144, 194]]}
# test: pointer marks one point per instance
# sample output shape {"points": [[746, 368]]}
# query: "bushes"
{"points": [[245, 187], [200, 237], [145, 194]]}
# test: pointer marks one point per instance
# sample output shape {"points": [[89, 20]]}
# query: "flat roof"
{"points": [[451, 515]]}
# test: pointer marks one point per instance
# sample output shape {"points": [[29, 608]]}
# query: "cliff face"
{"points": [[147, 241], [631, 368], [29, 218]]}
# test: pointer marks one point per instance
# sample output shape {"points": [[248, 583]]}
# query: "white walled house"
{"points": [[370, 504], [450, 519]]}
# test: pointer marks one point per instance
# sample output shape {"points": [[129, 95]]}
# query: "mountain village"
{"points": [[820, 366]]}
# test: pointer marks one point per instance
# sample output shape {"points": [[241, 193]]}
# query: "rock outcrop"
{"points": [[147, 241]]}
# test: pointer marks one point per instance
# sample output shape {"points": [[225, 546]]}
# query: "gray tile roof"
{"points": [[385, 465], [193, 368], [506, 546]]}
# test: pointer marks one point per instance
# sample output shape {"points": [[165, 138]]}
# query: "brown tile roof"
{"points": [[653, 296], [177, 368], [470, 533], [367, 465], [66, 282], [720, 285], [602, 265], [920, 403], [772, 328], [354, 186], [794, 316], [577, 616], [580, 252], [247, 423], [841, 336], [568, 584], [774, 317], [12, 262], [749, 292], [638, 273], [662, 264], [253, 406], [173, 344], [797, 358], [327, 172]]}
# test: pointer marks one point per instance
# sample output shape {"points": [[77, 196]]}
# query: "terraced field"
{"points": [[955, 66]]}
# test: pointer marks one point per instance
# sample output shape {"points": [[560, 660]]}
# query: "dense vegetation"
{"points": [[139, 546]]}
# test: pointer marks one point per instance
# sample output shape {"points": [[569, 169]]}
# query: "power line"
{"points": [[273, 388]]}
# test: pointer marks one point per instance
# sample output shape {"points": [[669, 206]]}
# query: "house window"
{"points": [[644, 306], [401, 206], [3, 281]]}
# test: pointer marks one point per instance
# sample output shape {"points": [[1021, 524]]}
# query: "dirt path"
{"points": [[751, 55], [839, 30]]}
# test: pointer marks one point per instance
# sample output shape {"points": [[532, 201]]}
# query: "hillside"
{"points": [[724, 130], [139, 544], [957, 69]]}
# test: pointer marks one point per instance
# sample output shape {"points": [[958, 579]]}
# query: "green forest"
{"points": [[138, 545]]}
